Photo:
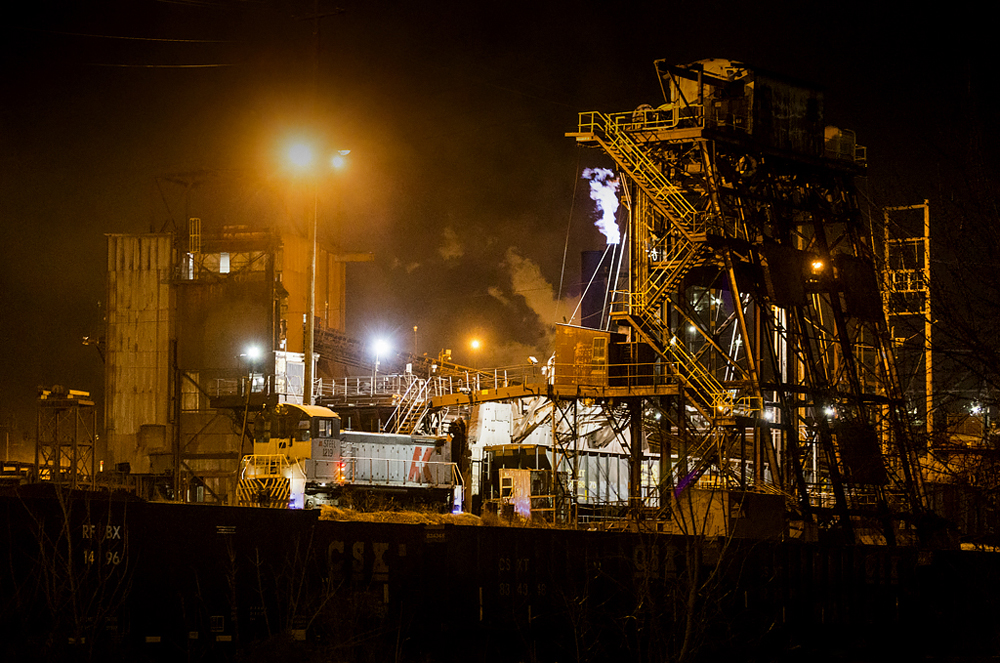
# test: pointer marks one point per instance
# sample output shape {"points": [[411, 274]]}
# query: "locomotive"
{"points": [[302, 459]]}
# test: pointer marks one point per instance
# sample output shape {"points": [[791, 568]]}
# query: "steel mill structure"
{"points": [[744, 342], [746, 280], [735, 375]]}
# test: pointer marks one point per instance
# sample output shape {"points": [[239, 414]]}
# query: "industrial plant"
{"points": [[732, 377]]}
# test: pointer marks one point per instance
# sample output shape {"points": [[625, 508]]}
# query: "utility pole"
{"points": [[310, 323]]}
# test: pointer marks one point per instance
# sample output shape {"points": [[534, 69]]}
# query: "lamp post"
{"points": [[301, 155], [381, 347], [252, 355], [475, 344]]}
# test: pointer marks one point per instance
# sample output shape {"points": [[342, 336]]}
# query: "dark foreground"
{"points": [[88, 577]]}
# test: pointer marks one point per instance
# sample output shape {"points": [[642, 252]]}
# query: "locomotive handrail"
{"points": [[266, 465], [397, 471]]}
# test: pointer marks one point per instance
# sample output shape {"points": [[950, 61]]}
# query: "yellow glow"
{"points": [[475, 344], [817, 265]]}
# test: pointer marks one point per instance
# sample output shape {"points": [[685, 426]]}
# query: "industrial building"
{"points": [[202, 328], [734, 350]]}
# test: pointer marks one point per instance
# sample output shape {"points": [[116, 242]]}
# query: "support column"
{"points": [[635, 473]]}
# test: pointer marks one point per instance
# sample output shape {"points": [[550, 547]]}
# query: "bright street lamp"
{"points": [[475, 344], [337, 160], [381, 347], [252, 354], [301, 156]]}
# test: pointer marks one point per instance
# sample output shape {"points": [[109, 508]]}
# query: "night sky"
{"points": [[460, 180]]}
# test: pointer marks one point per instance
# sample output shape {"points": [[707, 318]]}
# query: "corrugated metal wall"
{"points": [[139, 328]]}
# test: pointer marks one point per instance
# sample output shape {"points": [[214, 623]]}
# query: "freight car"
{"points": [[302, 459], [595, 482]]}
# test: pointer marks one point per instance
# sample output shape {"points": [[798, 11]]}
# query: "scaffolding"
{"points": [[906, 292], [65, 436], [750, 276]]}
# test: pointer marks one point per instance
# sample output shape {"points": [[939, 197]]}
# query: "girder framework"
{"points": [[65, 437], [750, 274]]}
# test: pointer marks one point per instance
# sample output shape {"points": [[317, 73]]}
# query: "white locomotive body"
{"points": [[302, 459]]}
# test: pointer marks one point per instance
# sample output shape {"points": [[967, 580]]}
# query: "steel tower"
{"points": [[748, 278]]}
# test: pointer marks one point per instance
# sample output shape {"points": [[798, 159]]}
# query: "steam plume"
{"points": [[604, 191]]}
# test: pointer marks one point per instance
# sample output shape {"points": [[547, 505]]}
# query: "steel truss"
{"points": [[65, 437], [750, 276]]}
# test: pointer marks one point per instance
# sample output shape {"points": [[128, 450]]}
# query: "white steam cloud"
{"points": [[529, 285], [604, 192]]}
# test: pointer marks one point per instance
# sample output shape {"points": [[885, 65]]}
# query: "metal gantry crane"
{"points": [[750, 277]]}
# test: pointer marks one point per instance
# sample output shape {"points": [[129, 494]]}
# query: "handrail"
{"points": [[664, 193], [397, 472], [710, 389], [413, 400], [264, 466]]}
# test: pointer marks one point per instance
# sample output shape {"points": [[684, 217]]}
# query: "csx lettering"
{"points": [[359, 556], [336, 566], [380, 549], [358, 550], [522, 564]]}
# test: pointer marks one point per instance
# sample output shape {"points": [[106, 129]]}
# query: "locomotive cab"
{"points": [[286, 439], [300, 432]]}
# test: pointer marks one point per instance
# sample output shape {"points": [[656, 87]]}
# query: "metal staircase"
{"points": [[411, 407], [609, 131], [710, 397], [666, 256]]}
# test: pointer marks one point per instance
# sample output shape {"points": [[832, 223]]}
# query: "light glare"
{"points": [[300, 154]]}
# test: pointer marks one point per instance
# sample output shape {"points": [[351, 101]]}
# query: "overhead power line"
{"points": [[160, 66], [83, 34]]}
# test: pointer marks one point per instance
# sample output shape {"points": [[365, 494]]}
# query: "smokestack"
{"points": [[592, 304]]}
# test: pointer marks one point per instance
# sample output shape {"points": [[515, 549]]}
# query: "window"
{"points": [[599, 350], [324, 428]]}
